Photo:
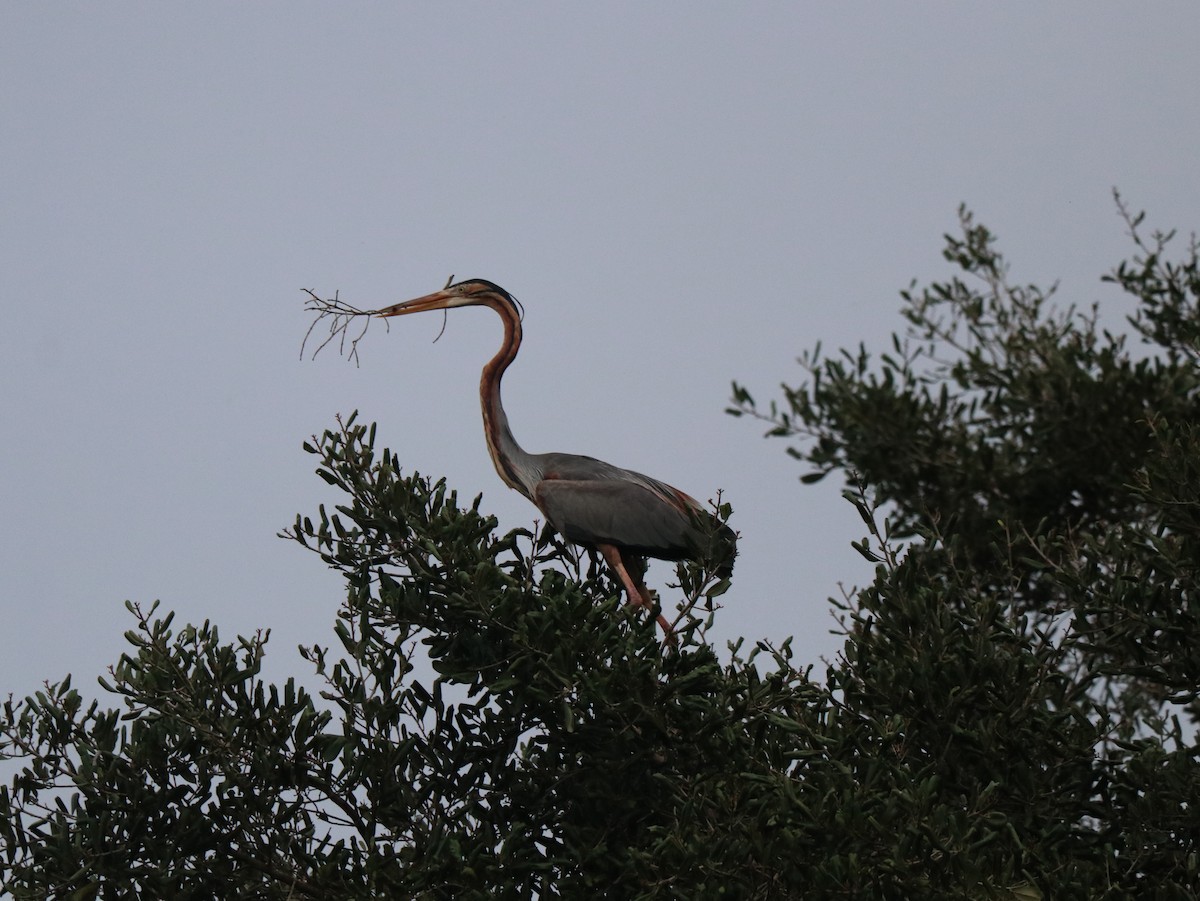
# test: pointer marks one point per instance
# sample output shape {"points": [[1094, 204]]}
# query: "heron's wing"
{"points": [[627, 514]]}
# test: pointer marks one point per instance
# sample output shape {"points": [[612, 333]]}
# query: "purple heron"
{"points": [[624, 515]]}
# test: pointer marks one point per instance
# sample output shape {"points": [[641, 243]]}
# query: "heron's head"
{"points": [[473, 292]]}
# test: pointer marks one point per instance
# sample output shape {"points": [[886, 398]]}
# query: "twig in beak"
{"points": [[340, 314]]}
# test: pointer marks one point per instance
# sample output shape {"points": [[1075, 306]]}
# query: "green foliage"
{"points": [[1004, 720], [1041, 482], [557, 749]]}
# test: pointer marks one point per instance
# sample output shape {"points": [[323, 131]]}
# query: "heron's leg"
{"points": [[639, 594]]}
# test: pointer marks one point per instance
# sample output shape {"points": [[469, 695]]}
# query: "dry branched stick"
{"points": [[340, 315]]}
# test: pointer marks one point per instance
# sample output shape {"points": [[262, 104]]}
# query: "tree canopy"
{"points": [[1012, 715]]}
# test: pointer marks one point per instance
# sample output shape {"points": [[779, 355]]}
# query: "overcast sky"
{"points": [[680, 194]]}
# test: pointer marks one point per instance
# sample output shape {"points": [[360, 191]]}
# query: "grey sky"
{"points": [[681, 195]]}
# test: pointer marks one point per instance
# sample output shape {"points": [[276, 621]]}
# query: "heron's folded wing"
{"points": [[624, 514]]}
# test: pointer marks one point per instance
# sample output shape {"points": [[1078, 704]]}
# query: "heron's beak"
{"points": [[439, 300]]}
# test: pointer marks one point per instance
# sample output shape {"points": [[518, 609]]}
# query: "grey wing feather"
{"points": [[624, 513]]}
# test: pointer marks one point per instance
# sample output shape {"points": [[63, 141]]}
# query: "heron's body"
{"points": [[621, 513]]}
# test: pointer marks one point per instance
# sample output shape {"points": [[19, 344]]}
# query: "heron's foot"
{"points": [[668, 632]]}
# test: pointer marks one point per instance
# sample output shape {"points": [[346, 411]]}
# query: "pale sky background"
{"points": [[681, 194]]}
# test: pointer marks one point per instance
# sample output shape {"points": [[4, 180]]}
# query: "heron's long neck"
{"points": [[514, 465]]}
